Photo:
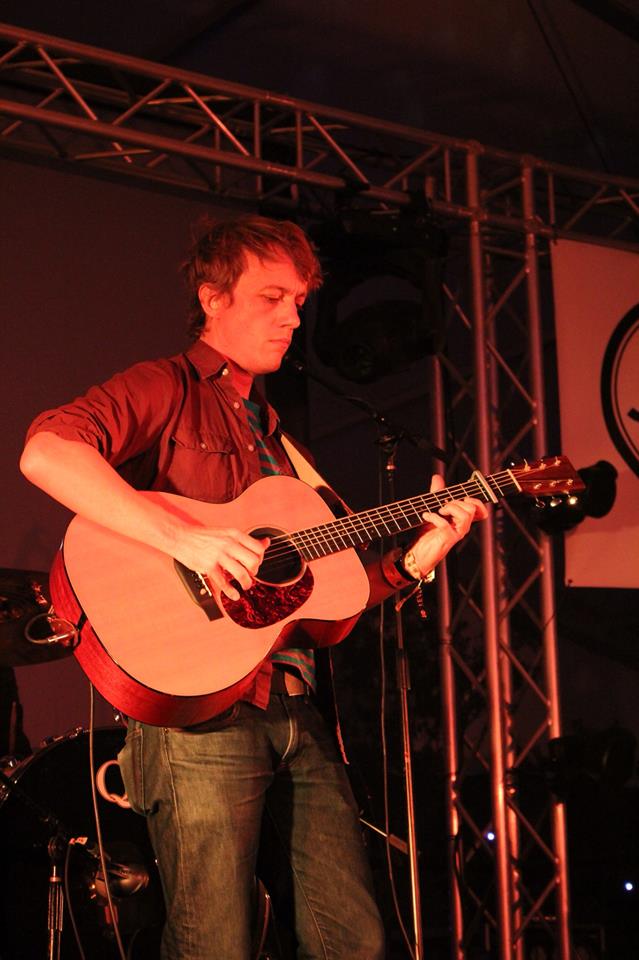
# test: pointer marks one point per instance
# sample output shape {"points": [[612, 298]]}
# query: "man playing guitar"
{"points": [[266, 767]]}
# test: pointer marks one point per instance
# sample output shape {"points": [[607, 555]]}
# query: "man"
{"points": [[266, 770]]}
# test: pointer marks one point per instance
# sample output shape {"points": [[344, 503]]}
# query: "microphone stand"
{"points": [[388, 445], [388, 441], [415, 439], [58, 841]]}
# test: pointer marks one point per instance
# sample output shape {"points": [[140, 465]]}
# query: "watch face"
{"points": [[620, 387]]}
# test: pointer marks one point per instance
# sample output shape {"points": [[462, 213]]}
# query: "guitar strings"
{"points": [[362, 528], [339, 534], [361, 525]]}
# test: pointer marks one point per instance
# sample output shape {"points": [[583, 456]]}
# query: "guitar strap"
{"points": [[308, 474]]}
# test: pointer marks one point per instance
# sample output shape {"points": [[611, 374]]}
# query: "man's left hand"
{"points": [[444, 529]]}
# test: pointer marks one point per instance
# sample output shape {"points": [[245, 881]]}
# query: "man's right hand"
{"points": [[223, 554]]}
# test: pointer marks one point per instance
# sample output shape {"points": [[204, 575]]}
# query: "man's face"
{"points": [[254, 327]]}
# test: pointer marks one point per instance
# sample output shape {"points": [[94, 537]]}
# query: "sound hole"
{"points": [[282, 563]]}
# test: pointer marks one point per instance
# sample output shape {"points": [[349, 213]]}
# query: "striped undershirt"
{"points": [[302, 661]]}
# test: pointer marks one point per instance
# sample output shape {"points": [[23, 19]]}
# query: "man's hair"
{"points": [[218, 256]]}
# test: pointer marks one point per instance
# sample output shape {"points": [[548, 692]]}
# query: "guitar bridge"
{"points": [[199, 590]]}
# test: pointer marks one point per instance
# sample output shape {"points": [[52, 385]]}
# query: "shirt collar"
{"points": [[208, 362], [205, 359]]}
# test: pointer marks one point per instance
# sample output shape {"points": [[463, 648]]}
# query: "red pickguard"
{"points": [[264, 605]]}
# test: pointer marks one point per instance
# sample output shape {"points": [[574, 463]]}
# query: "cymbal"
{"points": [[27, 620]]}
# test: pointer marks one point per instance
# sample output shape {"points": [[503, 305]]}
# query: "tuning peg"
{"points": [[596, 499]]}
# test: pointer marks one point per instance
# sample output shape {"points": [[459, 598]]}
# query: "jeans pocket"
{"points": [[130, 760]]}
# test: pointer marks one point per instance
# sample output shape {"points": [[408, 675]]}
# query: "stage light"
{"points": [[490, 835], [380, 307], [628, 886], [560, 514]]}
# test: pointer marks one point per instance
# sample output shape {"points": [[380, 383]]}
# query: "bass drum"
{"points": [[57, 779]]}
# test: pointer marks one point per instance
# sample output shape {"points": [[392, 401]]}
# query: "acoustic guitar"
{"points": [[165, 648]]}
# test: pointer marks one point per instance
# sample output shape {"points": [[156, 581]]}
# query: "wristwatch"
{"points": [[399, 568]]}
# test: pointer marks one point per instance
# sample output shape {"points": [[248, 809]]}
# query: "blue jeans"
{"points": [[249, 779]]}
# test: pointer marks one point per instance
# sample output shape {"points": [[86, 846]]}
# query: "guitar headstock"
{"points": [[548, 476]]}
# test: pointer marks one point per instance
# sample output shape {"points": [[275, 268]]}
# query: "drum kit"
{"points": [[53, 897]]}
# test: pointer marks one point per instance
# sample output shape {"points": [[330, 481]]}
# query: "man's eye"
{"points": [[272, 299]]}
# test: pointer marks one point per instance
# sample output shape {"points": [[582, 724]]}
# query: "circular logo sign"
{"points": [[620, 388]]}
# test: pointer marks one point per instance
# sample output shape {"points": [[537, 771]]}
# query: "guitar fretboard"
{"points": [[358, 529]]}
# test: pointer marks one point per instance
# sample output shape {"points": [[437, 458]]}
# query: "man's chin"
{"points": [[272, 366]]}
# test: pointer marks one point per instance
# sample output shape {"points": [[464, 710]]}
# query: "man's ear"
{"points": [[209, 298]]}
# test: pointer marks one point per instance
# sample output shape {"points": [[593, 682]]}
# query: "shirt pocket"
{"points": [[202, 465]]}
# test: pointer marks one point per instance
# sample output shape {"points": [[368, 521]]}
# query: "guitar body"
{"points": [[159, 655]]}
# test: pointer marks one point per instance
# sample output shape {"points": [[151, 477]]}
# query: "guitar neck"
{"points": [[358, 529]]}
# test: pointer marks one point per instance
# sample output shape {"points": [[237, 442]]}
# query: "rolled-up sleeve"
{"points": [[121, 418]]}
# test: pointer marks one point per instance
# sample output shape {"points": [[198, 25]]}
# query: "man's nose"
{"points": [[290, 314]]}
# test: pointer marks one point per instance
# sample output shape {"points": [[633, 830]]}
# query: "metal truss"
{"points": [[103, 112], [115, 113], [508, 843], [499, 651]]}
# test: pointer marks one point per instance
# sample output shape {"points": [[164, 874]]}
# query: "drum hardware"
{"points": [[7, 763], [30, 630], [129, 863], [124, 879], [62, 737], [46, 628], [59, 841], [55, 905], [44, 816]]}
